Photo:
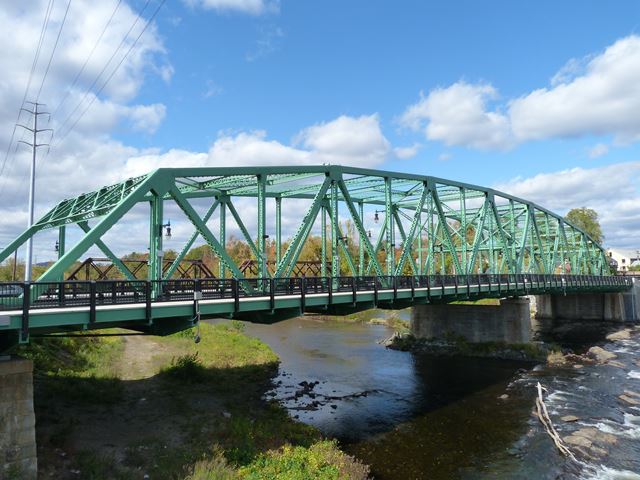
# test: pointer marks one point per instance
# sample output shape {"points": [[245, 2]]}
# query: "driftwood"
{"points": [[543, 415]]}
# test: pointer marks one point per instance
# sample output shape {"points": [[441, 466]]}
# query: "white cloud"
{"points": [[253, 148], [82, 28], [597, 95], [443, 157], [611, 191], [147, 118], [88, 157], [457, 115], [356, 141], [404, 153], [598, 150], [252, 7]]}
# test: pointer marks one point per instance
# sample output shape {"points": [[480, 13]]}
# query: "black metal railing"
{"points": [[17, 295]]}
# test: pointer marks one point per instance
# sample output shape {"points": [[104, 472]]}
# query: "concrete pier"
{"points": [[607, 306], [17, 420], [509, 322]]}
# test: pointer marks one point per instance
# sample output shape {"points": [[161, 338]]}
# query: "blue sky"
{"points": [[318, 60], [539, 99]]}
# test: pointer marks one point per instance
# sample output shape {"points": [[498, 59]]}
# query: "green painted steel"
{"points": [[93, 312], [446, 227]]}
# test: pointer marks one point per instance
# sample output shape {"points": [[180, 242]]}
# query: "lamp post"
{"points": [[440, 248]]}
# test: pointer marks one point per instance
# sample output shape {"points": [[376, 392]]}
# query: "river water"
{"points": [[415, 416]]}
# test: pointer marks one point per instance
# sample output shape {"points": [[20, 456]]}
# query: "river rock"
{"points": [[621, 335], [578, 441], [569, 418], [629, 400], [616, 363], [504, 396], [632, 394], [594, 435], [601, 355]]}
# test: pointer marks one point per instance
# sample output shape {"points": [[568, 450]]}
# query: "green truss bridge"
{"points": [[387, 239]]}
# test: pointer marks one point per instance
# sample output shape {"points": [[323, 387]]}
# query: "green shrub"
{"points": [[186, 368], [213, 468], [321, 461]]}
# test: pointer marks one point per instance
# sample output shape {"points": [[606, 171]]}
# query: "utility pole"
{"points": [[32, 179]]}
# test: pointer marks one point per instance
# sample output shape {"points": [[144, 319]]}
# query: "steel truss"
{"points": [[426, 225]]}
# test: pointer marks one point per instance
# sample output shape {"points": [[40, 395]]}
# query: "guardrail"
{"points": [[47, 295], [22, 298]]}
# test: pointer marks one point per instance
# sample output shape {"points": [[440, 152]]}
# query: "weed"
{"points": [[93, 466], [237, 325], [321, 461], [214, 467], [186, 368]]}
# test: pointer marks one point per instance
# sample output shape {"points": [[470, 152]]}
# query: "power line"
{"points": [[97, 78], [43, 30], [53, 51], [84, 65]]}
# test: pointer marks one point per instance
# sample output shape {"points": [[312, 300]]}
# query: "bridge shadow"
{"points": [[108, 428]]}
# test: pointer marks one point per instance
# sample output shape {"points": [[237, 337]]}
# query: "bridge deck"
{"points": [[166, 306]]}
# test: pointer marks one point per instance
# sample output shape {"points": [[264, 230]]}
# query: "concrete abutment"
{"points": [[610, 307], [509, 322], [17, 420]]}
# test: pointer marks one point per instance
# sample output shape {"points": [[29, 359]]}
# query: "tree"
{"points": [[586, 219]]}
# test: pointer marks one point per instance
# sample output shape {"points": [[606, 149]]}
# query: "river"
{"points": [[415, 416]]}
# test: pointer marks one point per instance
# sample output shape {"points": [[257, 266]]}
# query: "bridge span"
{"points": [[385, 238], [376, 239]]}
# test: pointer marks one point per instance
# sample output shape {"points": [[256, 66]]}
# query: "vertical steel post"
{"points": [[155, 239], [388, 206], [262, 236], [223, 235], [335, 231], [323, 239], [463, 230], [419, 239], [493, 259], [61, 245], [278, 231], [431, 266], [361, 242]]}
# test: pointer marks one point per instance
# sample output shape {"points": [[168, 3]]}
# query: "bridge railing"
{"points": [[69, 294]]}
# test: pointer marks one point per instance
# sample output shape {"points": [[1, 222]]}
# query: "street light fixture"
{"points": [[167, 227]]}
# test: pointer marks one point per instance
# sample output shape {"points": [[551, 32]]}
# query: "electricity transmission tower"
{"points": [[35, 113]]}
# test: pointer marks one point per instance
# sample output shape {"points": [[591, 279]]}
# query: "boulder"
{"points": [[630, 400], [578, 441], [569, 418], [621, 335], [601, 355]]}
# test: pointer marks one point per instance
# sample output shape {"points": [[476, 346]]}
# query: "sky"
{"points": [[538, 99]]}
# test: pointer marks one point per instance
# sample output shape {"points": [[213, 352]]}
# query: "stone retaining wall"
{"points": [[17, 420]]}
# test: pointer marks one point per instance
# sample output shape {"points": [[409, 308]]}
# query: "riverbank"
{"points": [[168, 408], [458, 346]]}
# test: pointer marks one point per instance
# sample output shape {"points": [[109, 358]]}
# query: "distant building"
{"points": [[623, 260]]}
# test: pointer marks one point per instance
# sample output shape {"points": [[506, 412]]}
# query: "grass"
{"points": [[204, 415], [374, 316], [454, 344], [482, 301], [77, 368], [321, 461]]}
